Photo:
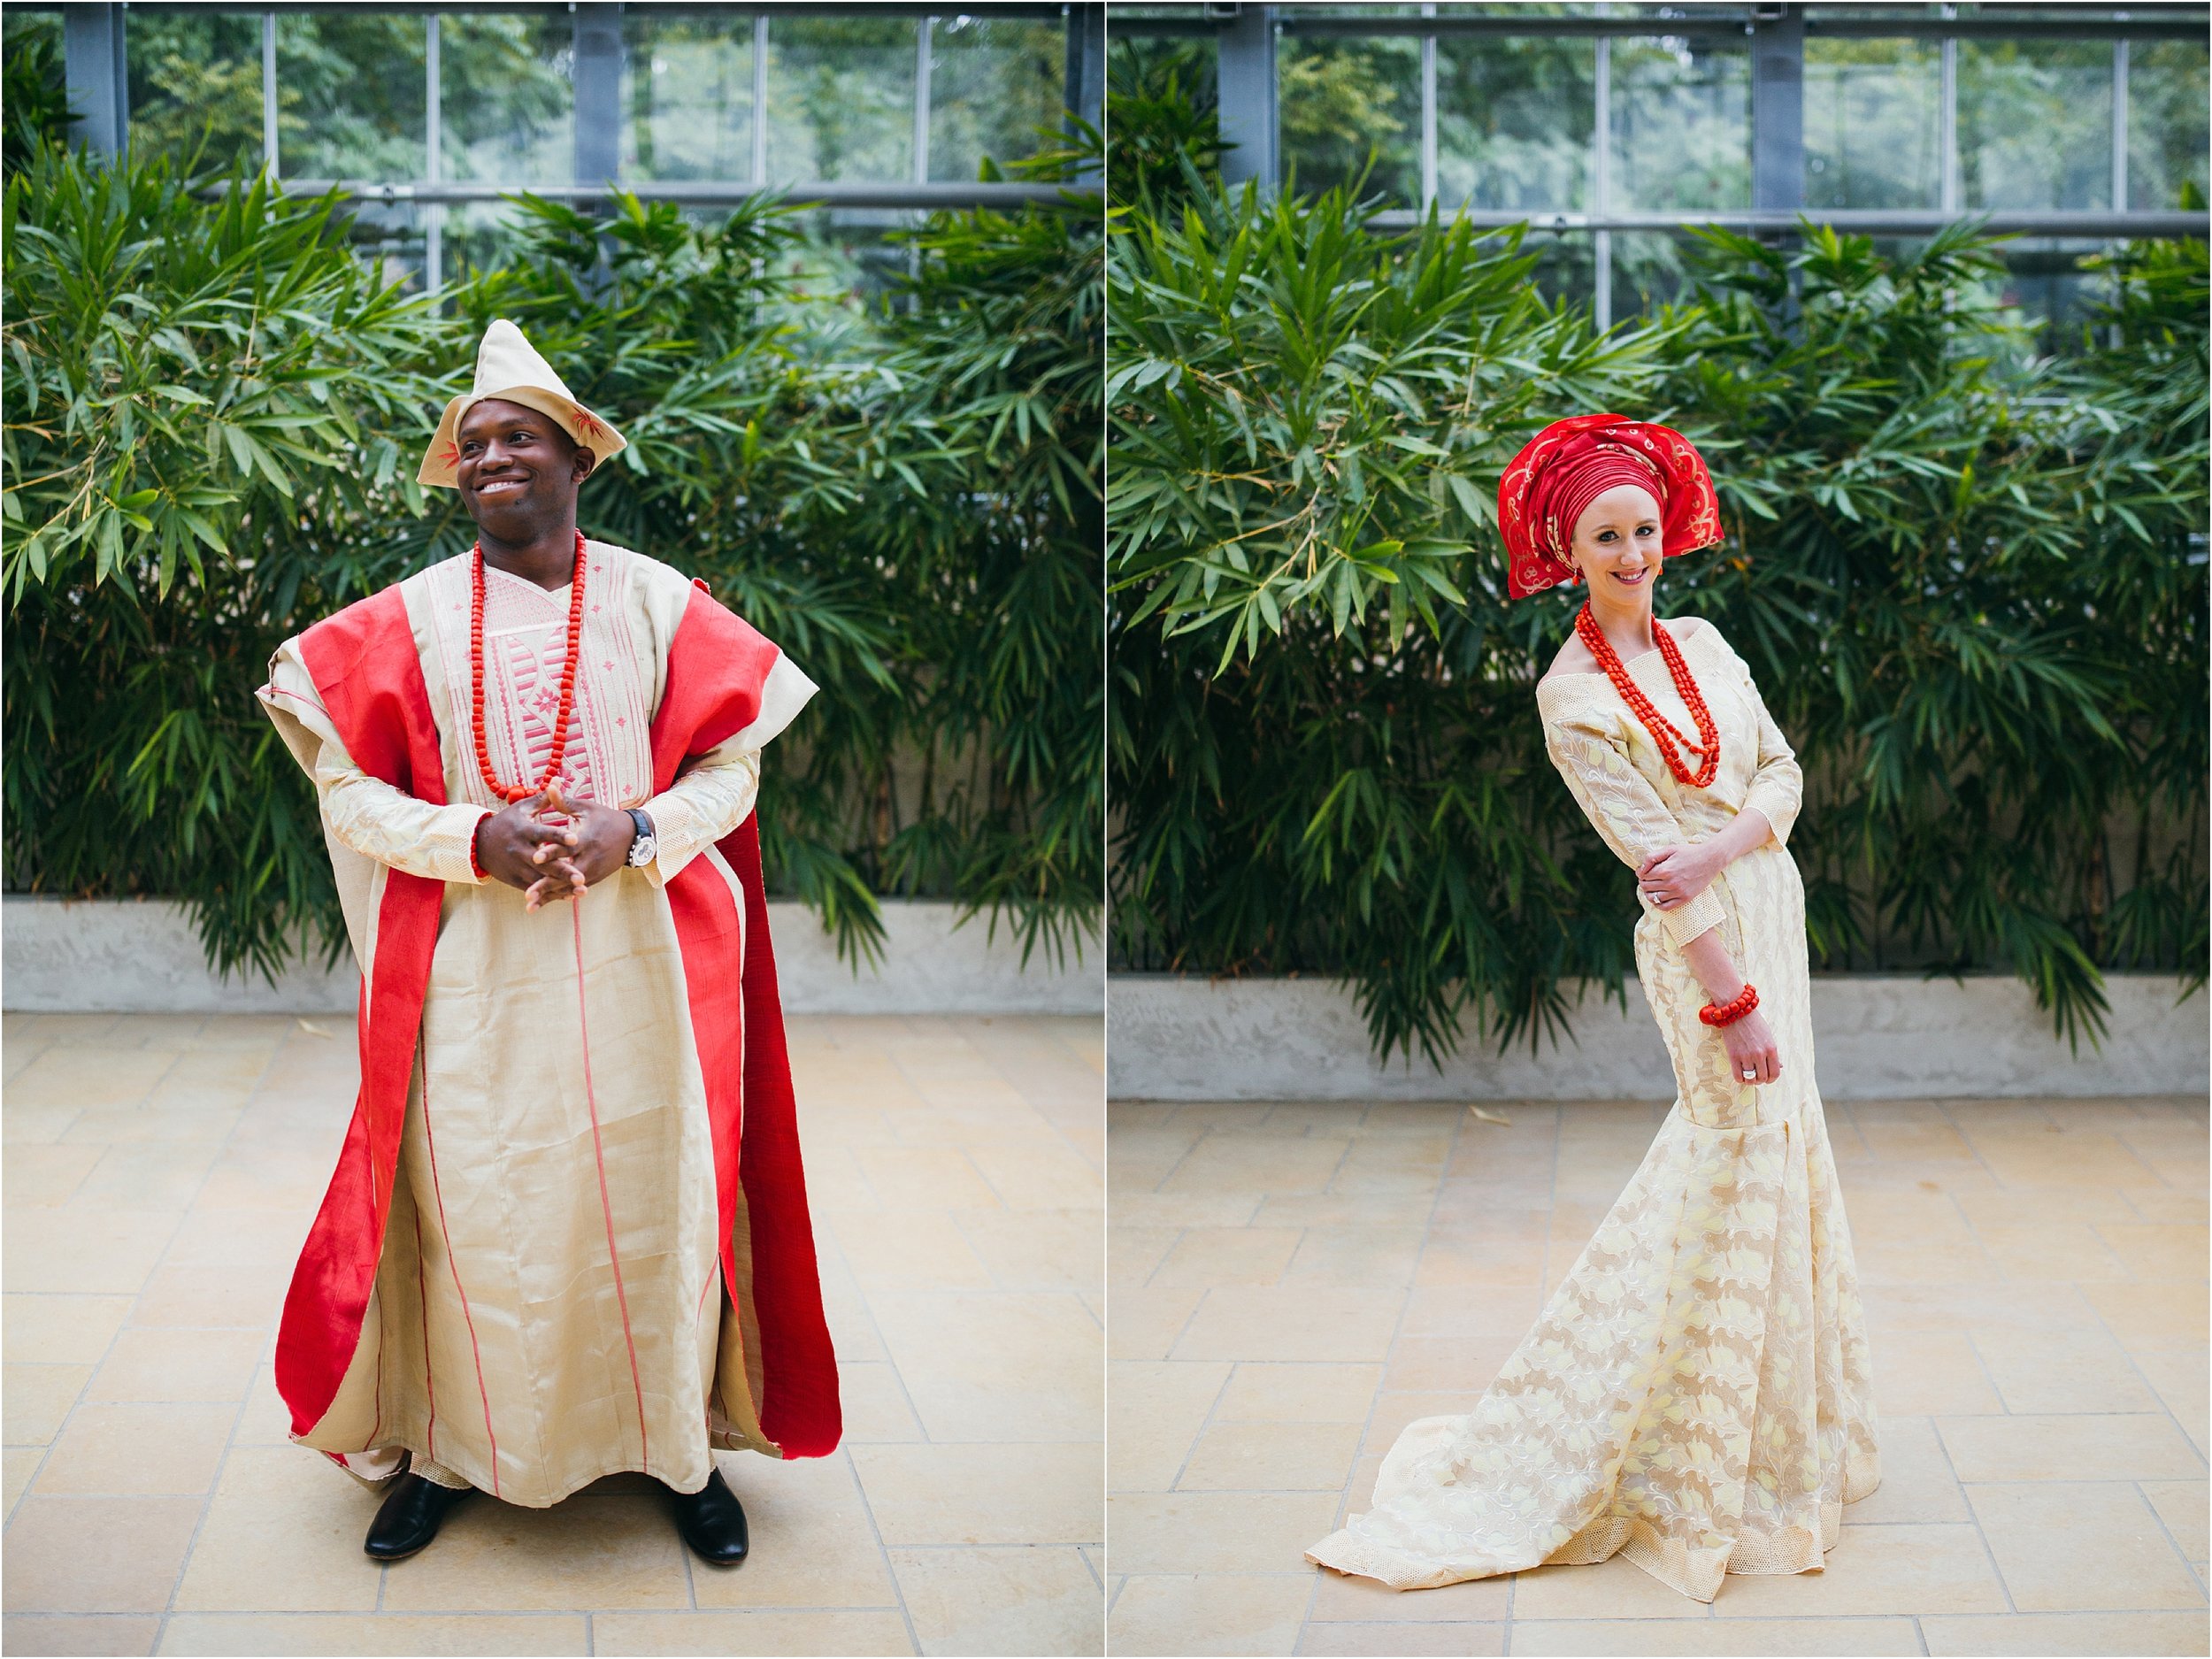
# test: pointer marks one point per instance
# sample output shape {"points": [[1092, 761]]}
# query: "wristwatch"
{"points": [[643, 845]]}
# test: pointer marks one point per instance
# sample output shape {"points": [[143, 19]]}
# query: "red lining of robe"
{"points": [[365, 666]]}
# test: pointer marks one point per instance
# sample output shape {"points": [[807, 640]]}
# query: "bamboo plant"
{"points": [[1970, 581]]}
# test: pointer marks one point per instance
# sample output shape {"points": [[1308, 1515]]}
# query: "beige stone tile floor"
{"points": [[160, 1174], [1292, 1284]]}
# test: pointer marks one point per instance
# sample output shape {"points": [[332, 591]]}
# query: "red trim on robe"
{"points": [[717, 666], [365, 662]]}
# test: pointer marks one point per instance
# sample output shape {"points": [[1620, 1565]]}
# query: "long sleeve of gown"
{"points": [[366, 813], [1625, 810], [703, 804], [1778, 787]]}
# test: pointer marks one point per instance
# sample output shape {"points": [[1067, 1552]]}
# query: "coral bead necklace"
{"points": [[1663, 732], [512, 793]]}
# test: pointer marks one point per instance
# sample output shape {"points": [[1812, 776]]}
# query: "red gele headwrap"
{"points": [[1570, 464]]}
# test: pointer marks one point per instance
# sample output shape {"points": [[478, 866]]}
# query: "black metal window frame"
{"points": [[1246, 38], [94, 48]]}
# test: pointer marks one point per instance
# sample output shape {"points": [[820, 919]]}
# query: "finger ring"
{"points": [[1751, 1074]]}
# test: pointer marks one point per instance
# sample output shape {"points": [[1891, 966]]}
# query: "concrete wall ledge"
{"points": [[125, 956], [1876, 1036]]}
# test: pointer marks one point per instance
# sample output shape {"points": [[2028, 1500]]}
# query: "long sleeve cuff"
{"points": [[1777, 802], [698, 810], [1699, 915], [678, 836], [447, 851]]}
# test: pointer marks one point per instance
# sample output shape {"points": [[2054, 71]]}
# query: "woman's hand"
{"points": [[1672, 876], [1749, 1040], [1752, 1054]]}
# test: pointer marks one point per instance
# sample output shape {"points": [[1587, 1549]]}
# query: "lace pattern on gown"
{"points": [[1696, 1395]]}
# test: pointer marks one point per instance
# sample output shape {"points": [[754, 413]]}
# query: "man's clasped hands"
{"points": [[550, 861]]}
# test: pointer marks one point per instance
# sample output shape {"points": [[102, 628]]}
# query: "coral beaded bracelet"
{"points": [[1729, 1012]]}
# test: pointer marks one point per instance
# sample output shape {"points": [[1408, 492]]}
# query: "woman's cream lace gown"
{"points": [[1695, 1396]]}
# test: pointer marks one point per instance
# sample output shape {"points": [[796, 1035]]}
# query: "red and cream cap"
{"points": [[508, 367]]}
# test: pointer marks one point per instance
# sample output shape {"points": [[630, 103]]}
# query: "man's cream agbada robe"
{"points": [[548, 1303]]}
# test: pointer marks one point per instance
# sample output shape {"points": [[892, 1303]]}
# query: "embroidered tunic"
{"points": [[1696, 1395], [545, 1307]]}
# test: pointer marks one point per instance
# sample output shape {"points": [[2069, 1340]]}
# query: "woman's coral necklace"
{"points": [[1663, 730], [523, 792]]}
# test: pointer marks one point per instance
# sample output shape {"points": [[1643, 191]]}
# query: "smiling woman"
{"points": [[1478, 1216], [1696, 1396]]}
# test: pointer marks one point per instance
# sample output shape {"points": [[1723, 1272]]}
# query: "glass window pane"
{"points": [[1162, 71], [392, 234], [2168, 96], [1142, 64], [841, 97], [1873, 123], [1566, 266], [1681, 119], [2035, 123], [850, 250], [350, 95], [507, 105], [33, 44], [24, 30], [21, 28], [1513, 121], [195, 74], [1650, 269], [476, 236], [687, 95], [2045, 282], [992, 82], [1337, 98]]}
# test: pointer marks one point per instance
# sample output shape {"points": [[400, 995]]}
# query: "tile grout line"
{"points": [[245, 1403], [2126, 1352], [844, 1452], [1551, 1217], [691, 1582], [246, 1396], [1973, 1513], [245, 1400], [30, 1484], [1174, 1245], [1397, 1329], [1205, 1424], [883, 1553], [1098, 1166], [1229, 1377], [2167, 1532], [1981, 1362], [1105, 1349], [1973, 1516], [1205, 1133], [867, 1303]]}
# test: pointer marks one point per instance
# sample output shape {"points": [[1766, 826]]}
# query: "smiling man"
{"points": [[568, 1234]]}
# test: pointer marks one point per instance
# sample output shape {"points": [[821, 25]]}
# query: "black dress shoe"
{"points": [[711, 1521], [409, 1517]]}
